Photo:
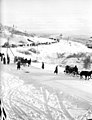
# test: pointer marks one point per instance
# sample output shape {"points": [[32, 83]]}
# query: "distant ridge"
{"points": [[14, 31], [73, 37]]}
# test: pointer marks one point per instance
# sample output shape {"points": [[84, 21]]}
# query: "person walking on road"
{"points": [[4, 60], [42, 65], [56, 69], [8, 59], [18, 65], [29, 62]]}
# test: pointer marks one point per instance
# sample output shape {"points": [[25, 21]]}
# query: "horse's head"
{"points": [[91, 71]]}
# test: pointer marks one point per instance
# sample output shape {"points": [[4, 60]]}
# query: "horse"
{"points": [[86, 74], [23, 61]]}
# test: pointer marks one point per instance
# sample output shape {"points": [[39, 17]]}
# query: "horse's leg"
{"points": [[77, 74], [89, 77], [80, 76], [85, 77], [24, 63], [74, 73]]}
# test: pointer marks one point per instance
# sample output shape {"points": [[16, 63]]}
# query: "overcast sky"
{"points": [[73, 16]]}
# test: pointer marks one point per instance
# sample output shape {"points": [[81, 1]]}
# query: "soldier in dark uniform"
{"points": [[56, 69], [76, 70], [4, 60], [8, 59], [1, 55], [0, 109], [42, 65], [29, 62], [18, 65]]}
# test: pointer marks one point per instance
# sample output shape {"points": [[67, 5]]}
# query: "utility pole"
{"points": [[8, 45], [37, 50]]}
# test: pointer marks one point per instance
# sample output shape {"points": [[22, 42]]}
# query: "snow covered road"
{"points": [[36, 94]]}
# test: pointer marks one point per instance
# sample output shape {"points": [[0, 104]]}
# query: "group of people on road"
{"points": [[21, 61], [29, 62], [5, 60]]}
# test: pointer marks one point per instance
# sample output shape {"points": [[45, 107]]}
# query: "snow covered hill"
{"points": [[45, 49]]}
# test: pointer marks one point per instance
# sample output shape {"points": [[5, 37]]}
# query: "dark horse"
{"points": [[71, 70], [23, 61], [87, 74]]}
